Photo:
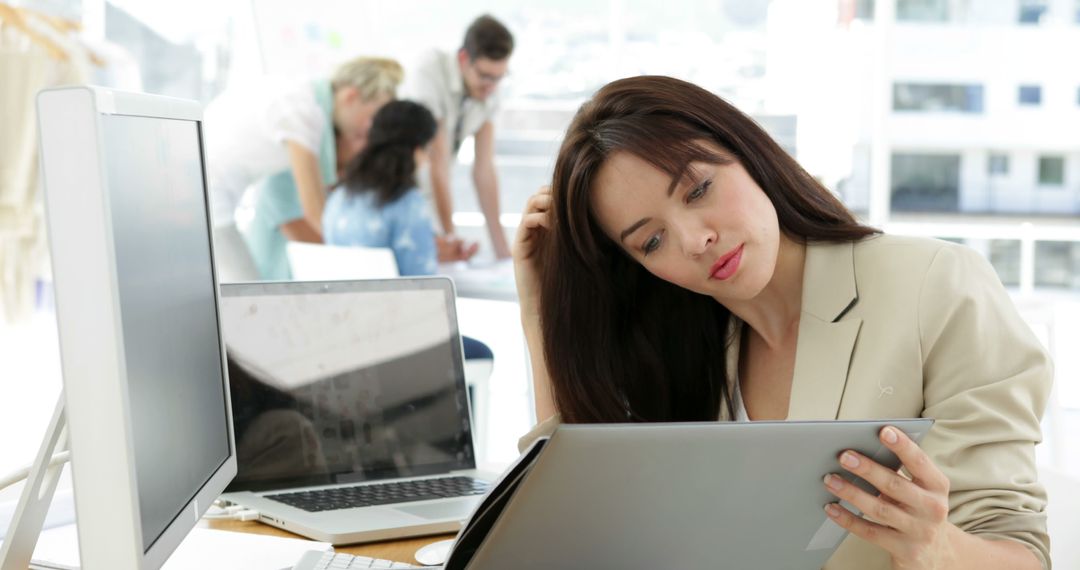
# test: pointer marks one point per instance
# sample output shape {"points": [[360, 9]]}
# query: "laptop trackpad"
{"points": [[452, 510]]}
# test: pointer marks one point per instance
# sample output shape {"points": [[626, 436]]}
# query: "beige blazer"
{"points": [[898, 327]]}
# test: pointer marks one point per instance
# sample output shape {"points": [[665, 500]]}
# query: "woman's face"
{"points": [[714, 232], [352, 117]]}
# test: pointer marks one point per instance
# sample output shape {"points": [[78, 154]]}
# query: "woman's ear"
{"points": [[420, 156]]}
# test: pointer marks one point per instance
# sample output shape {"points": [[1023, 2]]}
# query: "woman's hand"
{"points": [[449, 248], [910, 517], [535, 221]]}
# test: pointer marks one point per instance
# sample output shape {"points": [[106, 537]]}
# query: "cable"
{"points": [[220, 509], [20, 474], [244, 515], [231, 513]]}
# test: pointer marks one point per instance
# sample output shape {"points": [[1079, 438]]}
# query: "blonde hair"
{"points": [[371, 76]]}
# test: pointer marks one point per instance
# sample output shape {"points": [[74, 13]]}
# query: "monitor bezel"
{"points": [[74, 178]]}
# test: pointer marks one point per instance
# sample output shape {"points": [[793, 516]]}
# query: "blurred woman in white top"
{"points": [[308, 128]]}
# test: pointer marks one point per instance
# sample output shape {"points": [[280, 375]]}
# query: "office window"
{"points": [[1057, 264], [864, 10], [937, 97], [1030, 95], [1051, 170], [922, 10], [849, 10], [1005, 257], [925, 182], [998, 165], [1032, 11]]}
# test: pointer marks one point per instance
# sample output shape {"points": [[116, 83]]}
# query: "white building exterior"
{"points": [[947, 91]]}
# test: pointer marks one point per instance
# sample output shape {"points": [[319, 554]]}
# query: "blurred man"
{"points": [[461, 91]]}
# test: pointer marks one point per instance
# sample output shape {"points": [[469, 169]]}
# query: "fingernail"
{"points": [[833, 482], [848, 459], [889, 434], [832, 510]]}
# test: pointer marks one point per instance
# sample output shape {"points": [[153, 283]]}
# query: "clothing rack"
{"points": [[18, 17]]}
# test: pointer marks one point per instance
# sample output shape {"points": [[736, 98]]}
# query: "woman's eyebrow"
{"points": [[688, 175], [633, 228]]}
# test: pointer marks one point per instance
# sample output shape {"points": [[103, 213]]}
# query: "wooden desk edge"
{"points": [[397, 550]]}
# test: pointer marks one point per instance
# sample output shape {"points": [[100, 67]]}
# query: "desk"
{"points": [[397, 550], [494, 281]]}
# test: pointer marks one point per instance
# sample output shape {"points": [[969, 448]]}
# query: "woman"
{"points": [[683, 267], [377, 202], [287, 141]]}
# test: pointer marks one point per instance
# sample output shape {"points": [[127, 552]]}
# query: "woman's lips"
{"points": [[727, 265]]}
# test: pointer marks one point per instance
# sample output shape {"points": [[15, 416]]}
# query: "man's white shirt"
{"points": [[436, 82]]}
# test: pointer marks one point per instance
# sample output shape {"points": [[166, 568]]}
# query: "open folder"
{"points": [[472, 535], [680, 495]]}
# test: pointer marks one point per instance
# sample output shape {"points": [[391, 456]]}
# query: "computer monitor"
{"points": [[145, 382]]}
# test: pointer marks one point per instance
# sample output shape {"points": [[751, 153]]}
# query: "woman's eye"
{"points": [[651, 244], [699, 191]]}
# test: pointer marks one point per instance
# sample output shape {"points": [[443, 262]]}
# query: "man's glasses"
{"points": [[489, 78]]}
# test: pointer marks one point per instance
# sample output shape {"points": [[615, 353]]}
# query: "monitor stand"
{"points": [[22, 534]]}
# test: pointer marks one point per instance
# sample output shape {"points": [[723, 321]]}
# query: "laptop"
{"points": [[350, 407]]}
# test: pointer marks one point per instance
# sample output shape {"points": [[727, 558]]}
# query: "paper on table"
{"points": [[493, 281], [203, 548]]}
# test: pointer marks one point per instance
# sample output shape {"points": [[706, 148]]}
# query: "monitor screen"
{"points": [[355, 383], [167, 300]]}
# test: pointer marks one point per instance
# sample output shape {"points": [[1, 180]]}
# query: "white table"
{"points": [[493, 281]]}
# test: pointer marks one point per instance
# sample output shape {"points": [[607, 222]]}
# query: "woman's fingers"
{"points": [[536, 215], [876, 508], [451, 248], [536, 219], [873, 533], [538, 203], [918, 463], [888, 482]]}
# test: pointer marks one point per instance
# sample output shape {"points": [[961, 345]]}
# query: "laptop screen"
{"points": [[345, 381]]}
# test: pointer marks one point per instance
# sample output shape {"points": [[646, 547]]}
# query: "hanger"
{"points": [[65, 26], [15, 17]]}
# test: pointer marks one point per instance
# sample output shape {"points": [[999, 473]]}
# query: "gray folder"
{"points": [[686, 495]]}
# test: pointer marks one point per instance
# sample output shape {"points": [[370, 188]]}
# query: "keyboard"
{"points": [[329, 560], [382, 493]]}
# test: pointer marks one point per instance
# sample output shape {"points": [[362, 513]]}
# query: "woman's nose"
{"points": [[697, 241]]}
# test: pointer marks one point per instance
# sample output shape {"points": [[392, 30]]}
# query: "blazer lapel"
{"points": [[826, 341]]}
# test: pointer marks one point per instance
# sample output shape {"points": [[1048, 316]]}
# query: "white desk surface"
{"points": [[494, 281]]}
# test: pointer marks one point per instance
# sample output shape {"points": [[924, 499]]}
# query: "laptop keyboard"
{"points": [[382, 493]]}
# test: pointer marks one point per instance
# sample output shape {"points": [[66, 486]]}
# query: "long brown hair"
{"points": [[621, 344]]}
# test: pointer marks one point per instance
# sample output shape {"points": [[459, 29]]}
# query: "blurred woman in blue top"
{"points": [[377, 202]]}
